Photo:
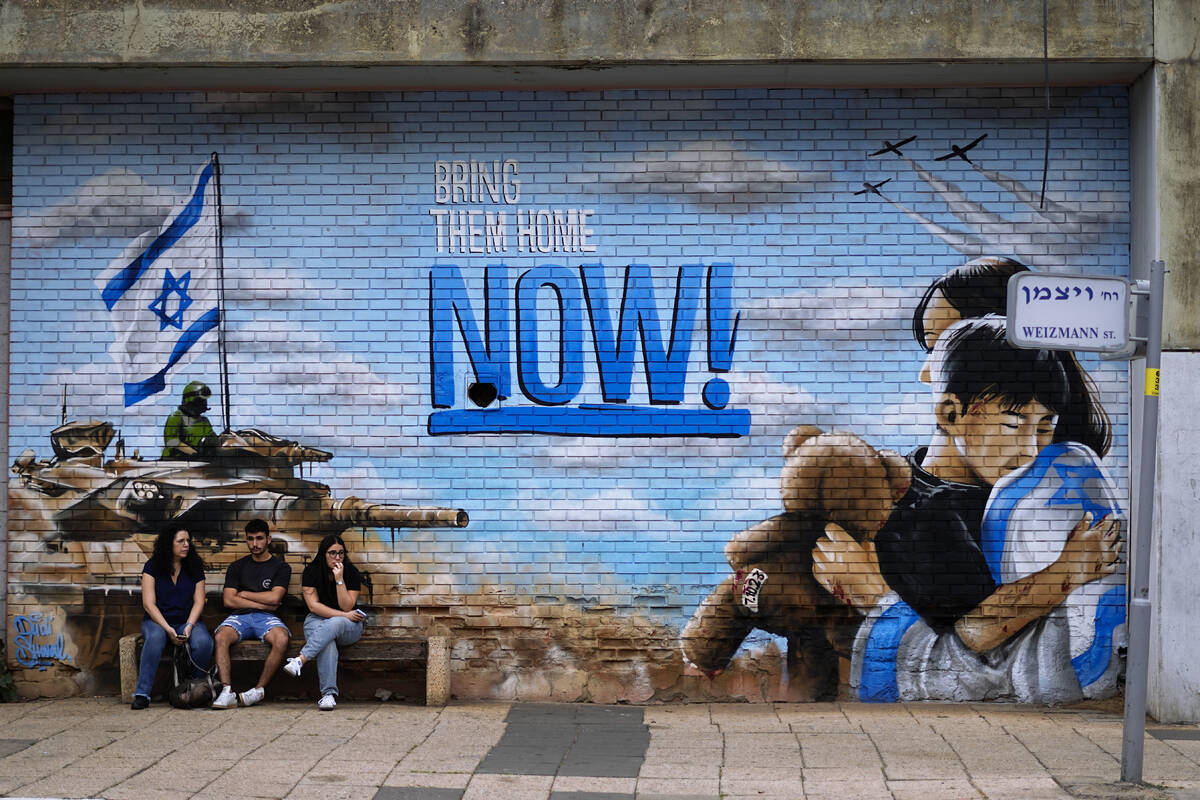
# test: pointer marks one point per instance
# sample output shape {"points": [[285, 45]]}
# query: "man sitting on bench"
{"points": [[255, 586]]}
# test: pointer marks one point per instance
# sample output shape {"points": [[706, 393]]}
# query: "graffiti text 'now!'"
{"points": [[582, 297]]}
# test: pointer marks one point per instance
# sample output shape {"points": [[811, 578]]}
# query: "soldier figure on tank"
{"points": [[187, 430]]}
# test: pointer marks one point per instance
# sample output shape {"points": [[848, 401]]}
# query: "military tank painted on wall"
{"points": [[80, 496]]}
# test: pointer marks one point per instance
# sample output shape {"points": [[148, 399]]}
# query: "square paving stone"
{"points": [[533, 768], [550, 739], [599, 767], [417, 793], [1181, 734], [521, 761], [610, 747], [10, 746]]}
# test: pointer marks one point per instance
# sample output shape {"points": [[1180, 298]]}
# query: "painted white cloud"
{"points": [[827, 313], [708, 172], [119, 204], [617, 510]]}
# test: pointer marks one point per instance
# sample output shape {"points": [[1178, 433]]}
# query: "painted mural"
{"points": [[642, 396]]}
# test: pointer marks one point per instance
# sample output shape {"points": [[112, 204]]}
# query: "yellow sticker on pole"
{"points": [[1152, 383]]}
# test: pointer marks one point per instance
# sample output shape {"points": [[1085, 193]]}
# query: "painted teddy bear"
{"points": [[827, 477]]}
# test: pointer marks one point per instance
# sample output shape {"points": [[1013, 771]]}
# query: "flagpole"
{"points": [[221, 297]]}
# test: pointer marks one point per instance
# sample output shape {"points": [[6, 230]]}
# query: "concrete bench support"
{"points": [[434, 651]]}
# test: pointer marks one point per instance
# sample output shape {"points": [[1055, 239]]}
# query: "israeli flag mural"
{"points": [[161, 293]]}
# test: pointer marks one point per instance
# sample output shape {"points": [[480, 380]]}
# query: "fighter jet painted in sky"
{"points": [[961, 152], [888, 147], [872, 188]]}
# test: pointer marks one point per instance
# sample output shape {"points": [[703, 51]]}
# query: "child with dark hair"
{"points": [[975, 289], [980, 287], [996, 408]]}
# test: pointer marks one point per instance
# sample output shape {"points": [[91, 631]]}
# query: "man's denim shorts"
{"points": [[253, 624]]}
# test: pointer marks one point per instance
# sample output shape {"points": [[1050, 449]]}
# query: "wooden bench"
{"points": [[434, 651]]}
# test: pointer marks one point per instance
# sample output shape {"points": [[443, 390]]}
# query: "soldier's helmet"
{"points": [[196, 390]]}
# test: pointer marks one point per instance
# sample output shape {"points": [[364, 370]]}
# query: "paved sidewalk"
{"points": [[97, 747]]}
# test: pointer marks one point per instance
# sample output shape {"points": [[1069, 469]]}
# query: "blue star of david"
{"points": [[172, 285], [1073, 492]]}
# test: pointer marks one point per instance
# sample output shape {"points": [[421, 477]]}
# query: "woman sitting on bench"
{"points": [[173, 597], [331, 585]]}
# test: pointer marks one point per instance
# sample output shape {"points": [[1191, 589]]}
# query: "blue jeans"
{"points": [[322, 638], [200, 643]]}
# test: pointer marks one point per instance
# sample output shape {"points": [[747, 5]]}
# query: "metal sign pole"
{"points": [[1139, 604]]}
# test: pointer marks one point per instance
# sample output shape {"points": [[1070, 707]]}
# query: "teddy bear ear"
{"points": [[797, 437], [843, 479]]}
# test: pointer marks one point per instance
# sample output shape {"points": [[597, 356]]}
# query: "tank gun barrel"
{"points": [[352, 512], [311, 454]]}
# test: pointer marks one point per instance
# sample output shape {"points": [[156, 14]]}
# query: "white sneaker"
{"points": [[252, 696], [328, 702], [293, 666], [226, 699]]}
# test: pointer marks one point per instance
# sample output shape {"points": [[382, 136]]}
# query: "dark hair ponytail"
{"points": [[980, 287]]}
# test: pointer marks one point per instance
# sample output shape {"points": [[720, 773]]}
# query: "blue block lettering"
{"points": [[566, 289], [450, 308]]}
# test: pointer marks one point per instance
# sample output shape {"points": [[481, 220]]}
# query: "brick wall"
{"points": [[360, 231]]}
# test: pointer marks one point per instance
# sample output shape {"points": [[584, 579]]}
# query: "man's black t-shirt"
{"points": [[929, 549], [248, 575]]}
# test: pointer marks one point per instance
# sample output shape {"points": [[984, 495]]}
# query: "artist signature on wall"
{"points": [[36, 644]]}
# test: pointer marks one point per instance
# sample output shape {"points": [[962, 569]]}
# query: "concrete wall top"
{"points": [[173, 34]]}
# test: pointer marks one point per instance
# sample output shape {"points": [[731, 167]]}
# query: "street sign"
{"points": [[1068, 312], [1078, 312]]}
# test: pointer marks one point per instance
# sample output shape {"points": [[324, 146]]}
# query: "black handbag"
{"points": [[189, 692]]}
